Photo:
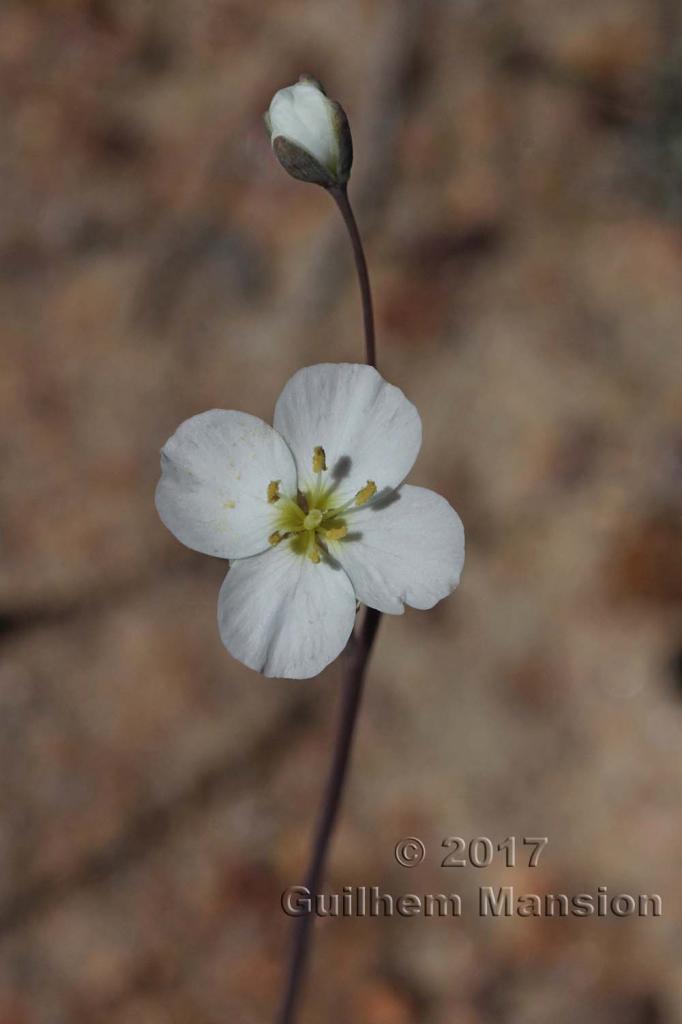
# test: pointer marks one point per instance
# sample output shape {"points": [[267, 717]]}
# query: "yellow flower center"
{"points": [[314, 518]]}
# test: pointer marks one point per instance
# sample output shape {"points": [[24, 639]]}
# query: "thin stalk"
{"points": [[340, 197], [357, 657], [358, 654]]}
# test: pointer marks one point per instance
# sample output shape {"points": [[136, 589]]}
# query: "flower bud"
{"points": [[310, 134]]}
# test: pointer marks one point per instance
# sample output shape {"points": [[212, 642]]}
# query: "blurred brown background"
{"points": [[518, 179]]}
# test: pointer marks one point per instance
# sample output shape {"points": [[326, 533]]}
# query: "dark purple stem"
{"points": [[340, 196], [357, 656], [358, 653]]}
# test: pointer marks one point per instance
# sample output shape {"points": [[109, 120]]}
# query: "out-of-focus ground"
{"points": [[518, 179]]}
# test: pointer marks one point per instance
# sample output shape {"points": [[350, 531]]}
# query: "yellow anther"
{"points": [[312, 519], [273, 491], [314, 554], [365, 493], [319, 459], [336, 532], [275, 538]]}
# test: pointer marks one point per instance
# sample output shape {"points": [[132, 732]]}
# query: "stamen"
{"points": [[365, 493], [336, 532], [319, 459], [275, 538], [314, 552], [273, 491], [312, 519]]}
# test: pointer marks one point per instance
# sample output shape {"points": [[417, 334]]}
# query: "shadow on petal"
{"points": [[383, 499], [341, 468]]}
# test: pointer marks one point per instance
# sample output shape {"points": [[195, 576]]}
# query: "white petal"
{"points": [[282, 615], [213, 491], [368, 429], [406, 548], [304, 115]]}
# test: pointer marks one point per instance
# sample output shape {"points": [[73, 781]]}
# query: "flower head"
{"points": [[310, 134], [313, 515]]}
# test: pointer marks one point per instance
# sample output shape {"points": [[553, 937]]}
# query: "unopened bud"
{"points": [[310, 134]]}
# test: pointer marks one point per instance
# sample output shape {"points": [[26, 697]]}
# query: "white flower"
{"points": [[313, 515], [310, 133]]}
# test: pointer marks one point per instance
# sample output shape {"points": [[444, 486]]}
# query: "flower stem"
{"points": [[357, 656], [340, 197]]}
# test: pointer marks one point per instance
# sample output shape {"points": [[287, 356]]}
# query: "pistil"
{"points": [[313, 519]]}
